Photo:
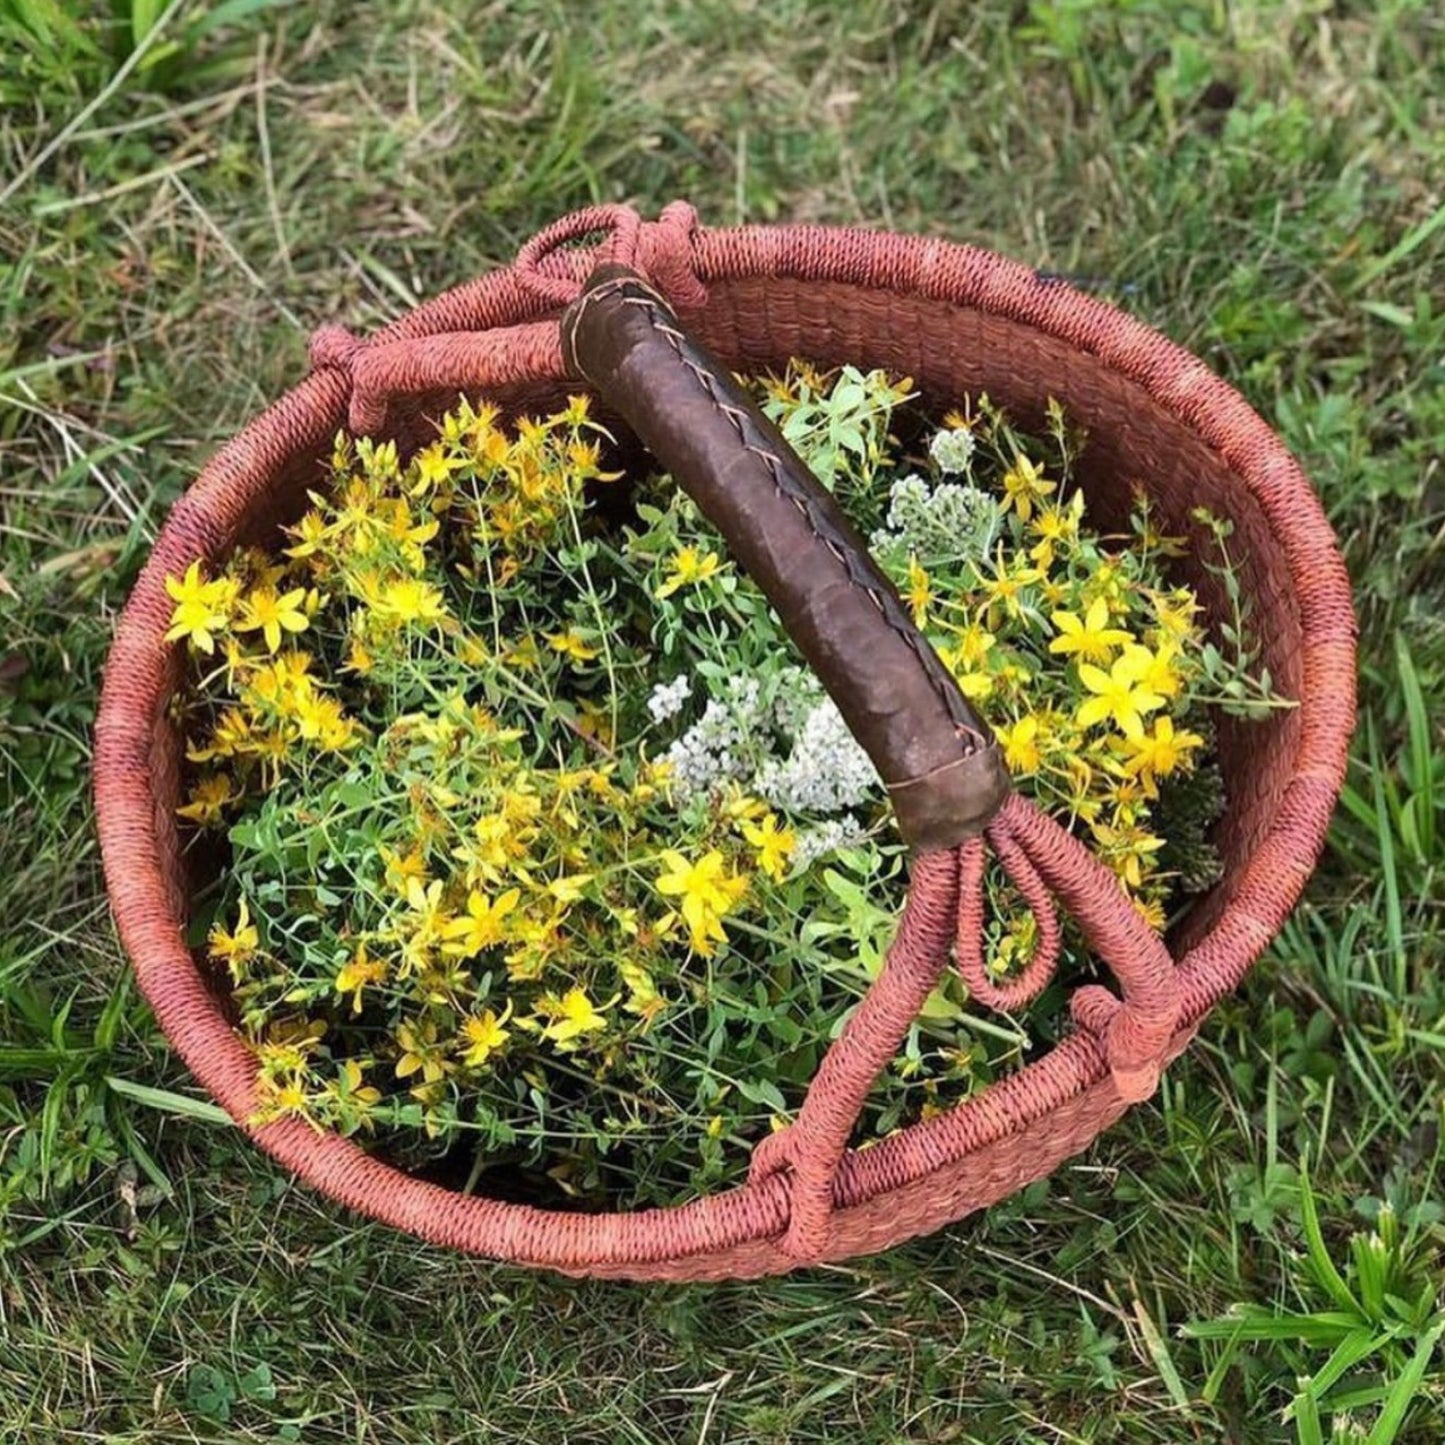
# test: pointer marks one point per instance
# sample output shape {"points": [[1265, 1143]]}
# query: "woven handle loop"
{"points": [[1133, 1035]]}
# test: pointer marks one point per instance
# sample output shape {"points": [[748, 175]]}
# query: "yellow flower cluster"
{"points": [[467, 888], [491, 874], [1079, 659]]}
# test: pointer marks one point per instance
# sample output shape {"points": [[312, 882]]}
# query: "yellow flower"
{"points": [[319, 719], [1008, 586], [1125, 848], [1020, 743], [570, 887], [1162, 676], [402, 868], [1024, 485], [358, 973], [688, 567], [422, 1052], [920, 594], [739, 806], [410, 536], [483, 1035], [288, 1045], [1158, 753], [538, 940], [270, 613], [482, 925], [427, 925], [310, 533], [571, 644], [1091, 640], [1055, 527], [1151, 910], [279, 685], [974, 645], [235, 948], [351, 1093], [774, 846], [707, 893], [1120, 696], [1175, 613], [643, 999], [430, 468], [359, 658], [522, 654], [975, 686], [208, 798], [572, 1015], [409, 599], [202, 608], [283, 1100]]}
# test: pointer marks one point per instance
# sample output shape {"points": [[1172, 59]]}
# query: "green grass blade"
{"points": [[1420, 751], [168, 1102], [1328, 1275], [1307, 1427], [1402, 1393], [1358, 1345], [1409, 243], [1159, 1352]]}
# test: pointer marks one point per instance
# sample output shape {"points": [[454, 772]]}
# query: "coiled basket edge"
{"points": [[957, 319]]}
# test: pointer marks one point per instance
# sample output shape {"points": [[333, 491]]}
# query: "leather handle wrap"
{"points": [[935, 754]]}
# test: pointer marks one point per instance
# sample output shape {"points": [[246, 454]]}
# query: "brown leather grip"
{"points": [[936, 755]]}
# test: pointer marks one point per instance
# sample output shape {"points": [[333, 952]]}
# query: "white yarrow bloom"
{"points": [[826, 771], [669, 698], [952, 449], [718, 747], [827, 837]]}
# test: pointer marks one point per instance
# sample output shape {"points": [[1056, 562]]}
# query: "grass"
{"points": [[1262, 182]]}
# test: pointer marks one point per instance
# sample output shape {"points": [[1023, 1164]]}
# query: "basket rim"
{"points": [[730, 1232]]}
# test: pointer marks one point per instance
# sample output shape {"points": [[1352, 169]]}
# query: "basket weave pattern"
{"points": [[957, 320]]}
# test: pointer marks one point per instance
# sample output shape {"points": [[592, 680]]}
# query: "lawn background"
{"points": [[1265, 183]]}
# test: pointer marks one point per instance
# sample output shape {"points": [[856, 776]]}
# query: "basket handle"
{"points": [[935, 754]]}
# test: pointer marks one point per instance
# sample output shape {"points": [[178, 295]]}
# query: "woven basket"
{"points": [[957, 320]]}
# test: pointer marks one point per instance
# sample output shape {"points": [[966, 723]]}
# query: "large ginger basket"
{"points": [[653, 317]]}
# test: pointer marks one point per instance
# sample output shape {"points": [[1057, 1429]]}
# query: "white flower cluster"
{"points": [[952, 449], [715, 748], [825, 771], [793, 750], [827, 837], [669, 698], [936, 524]]}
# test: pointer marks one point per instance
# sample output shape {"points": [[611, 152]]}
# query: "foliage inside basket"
{"points": [[546, 853]]}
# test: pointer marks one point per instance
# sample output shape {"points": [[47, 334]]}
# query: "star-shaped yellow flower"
{"points": [[273, 613], [689, 566], [706, 891], [774, 845], [1090, 640], [482, 925], [202, 608], [1120, 696], [483, 1034]]}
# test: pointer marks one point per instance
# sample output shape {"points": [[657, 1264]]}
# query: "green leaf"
{"points": [[1403, 1392], [167, 1102], [1319, 1256]]}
